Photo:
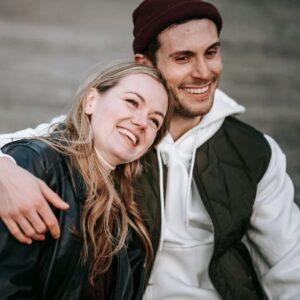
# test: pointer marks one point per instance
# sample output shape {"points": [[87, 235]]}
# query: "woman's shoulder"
{"points": [[34, 147], [34, 155]]}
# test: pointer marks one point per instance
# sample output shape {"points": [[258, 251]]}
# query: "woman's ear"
{"points": [[90, 101]]}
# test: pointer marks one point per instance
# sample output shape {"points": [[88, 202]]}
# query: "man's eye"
{"points": [[181, 58], [132, 102], [211, 53]]}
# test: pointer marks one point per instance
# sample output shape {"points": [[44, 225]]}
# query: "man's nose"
{"points": [[201, 69]]}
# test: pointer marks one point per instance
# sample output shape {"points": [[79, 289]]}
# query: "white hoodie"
{"points": [[180, 270]]}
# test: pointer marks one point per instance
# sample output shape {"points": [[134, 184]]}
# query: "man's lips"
{"points": [[197, 91], [131, 136]]}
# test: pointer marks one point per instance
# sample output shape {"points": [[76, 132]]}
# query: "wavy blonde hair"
{"points": [[106, 213]]}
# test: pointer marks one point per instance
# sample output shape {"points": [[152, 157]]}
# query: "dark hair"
{"points": [[151, 51]]}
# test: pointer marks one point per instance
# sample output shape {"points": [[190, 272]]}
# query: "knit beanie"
{"points": [[152, 16]]}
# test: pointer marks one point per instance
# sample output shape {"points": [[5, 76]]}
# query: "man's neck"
{"points": [[179, 125]]}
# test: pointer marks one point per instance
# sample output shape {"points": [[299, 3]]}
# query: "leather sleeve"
{"points": [[18, 267], [19, 262]]}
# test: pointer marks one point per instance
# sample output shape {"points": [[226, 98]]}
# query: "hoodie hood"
{"points": [[179, 156], [223, 107]]}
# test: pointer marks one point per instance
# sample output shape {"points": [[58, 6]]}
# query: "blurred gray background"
{"points": [[48, 46]]}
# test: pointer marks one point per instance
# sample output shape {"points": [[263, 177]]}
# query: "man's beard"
{"points": [[185, 112], [182, 110]]}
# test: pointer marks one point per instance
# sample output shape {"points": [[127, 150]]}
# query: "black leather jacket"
{"points": [[51, 269]]}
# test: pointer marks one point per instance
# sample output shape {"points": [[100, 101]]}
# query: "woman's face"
{"points": [[126, 118]]}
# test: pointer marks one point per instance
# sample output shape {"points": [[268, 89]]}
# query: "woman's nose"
{"points": [[140, 120]]}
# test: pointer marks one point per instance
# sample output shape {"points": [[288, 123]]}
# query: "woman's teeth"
{"points": [[130, 135]]}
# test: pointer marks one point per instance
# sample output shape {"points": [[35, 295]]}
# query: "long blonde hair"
{"points": [[106, 213]]}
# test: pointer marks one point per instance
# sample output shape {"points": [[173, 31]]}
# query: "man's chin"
{"points": [[190, 112]]}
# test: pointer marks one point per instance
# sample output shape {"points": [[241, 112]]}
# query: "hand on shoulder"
{"points": [[24, 204]]}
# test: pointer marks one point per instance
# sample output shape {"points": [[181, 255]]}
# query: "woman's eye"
{"points": [[155, 122], [132, 102]]}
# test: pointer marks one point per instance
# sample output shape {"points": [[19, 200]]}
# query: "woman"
{"points": [[104, 247]]}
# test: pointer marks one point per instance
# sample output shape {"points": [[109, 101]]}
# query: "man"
{"points": [[215, 195]]}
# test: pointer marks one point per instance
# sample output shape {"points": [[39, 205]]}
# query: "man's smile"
{"points": [[196, 90]]}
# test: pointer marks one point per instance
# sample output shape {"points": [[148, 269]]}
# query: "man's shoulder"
{"points": [[237, 143], [243, 130], [250, 143]]}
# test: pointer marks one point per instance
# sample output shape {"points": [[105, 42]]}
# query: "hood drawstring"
{"points": [[188, 191], [162, 198]]}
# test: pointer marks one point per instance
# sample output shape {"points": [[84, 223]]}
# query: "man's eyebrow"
{"points": [[183, 52], [143, 99], [215, 45], [191, 53]]}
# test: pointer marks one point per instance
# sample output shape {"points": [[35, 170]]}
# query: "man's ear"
{"points": [[90, 101], [142, 59]]}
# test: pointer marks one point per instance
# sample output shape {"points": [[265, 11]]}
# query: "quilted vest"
{"points": [[227, 170]]}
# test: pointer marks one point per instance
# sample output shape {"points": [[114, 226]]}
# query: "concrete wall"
{"points": [[48, 46]]}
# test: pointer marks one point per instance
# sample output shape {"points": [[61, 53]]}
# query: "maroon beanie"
{"points": [[152, 16]]}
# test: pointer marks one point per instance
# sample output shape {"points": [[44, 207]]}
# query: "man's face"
{"points": [[189, 58]]}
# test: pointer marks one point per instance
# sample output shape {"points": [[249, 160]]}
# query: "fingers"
{"points": [[49, 220], [52, 197], [30, 230], [16, 231], [24, 205], [45, 211], [25, 236], [38, 227], [38, 237]]}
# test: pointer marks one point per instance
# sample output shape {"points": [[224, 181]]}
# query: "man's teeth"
{"points": [[197, 90], [129, 134]]}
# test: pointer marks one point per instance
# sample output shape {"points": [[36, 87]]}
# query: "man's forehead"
{"points": [[191, 27]]}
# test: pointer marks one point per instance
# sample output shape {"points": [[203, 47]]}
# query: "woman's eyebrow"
{"points": [[137, 94]]}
